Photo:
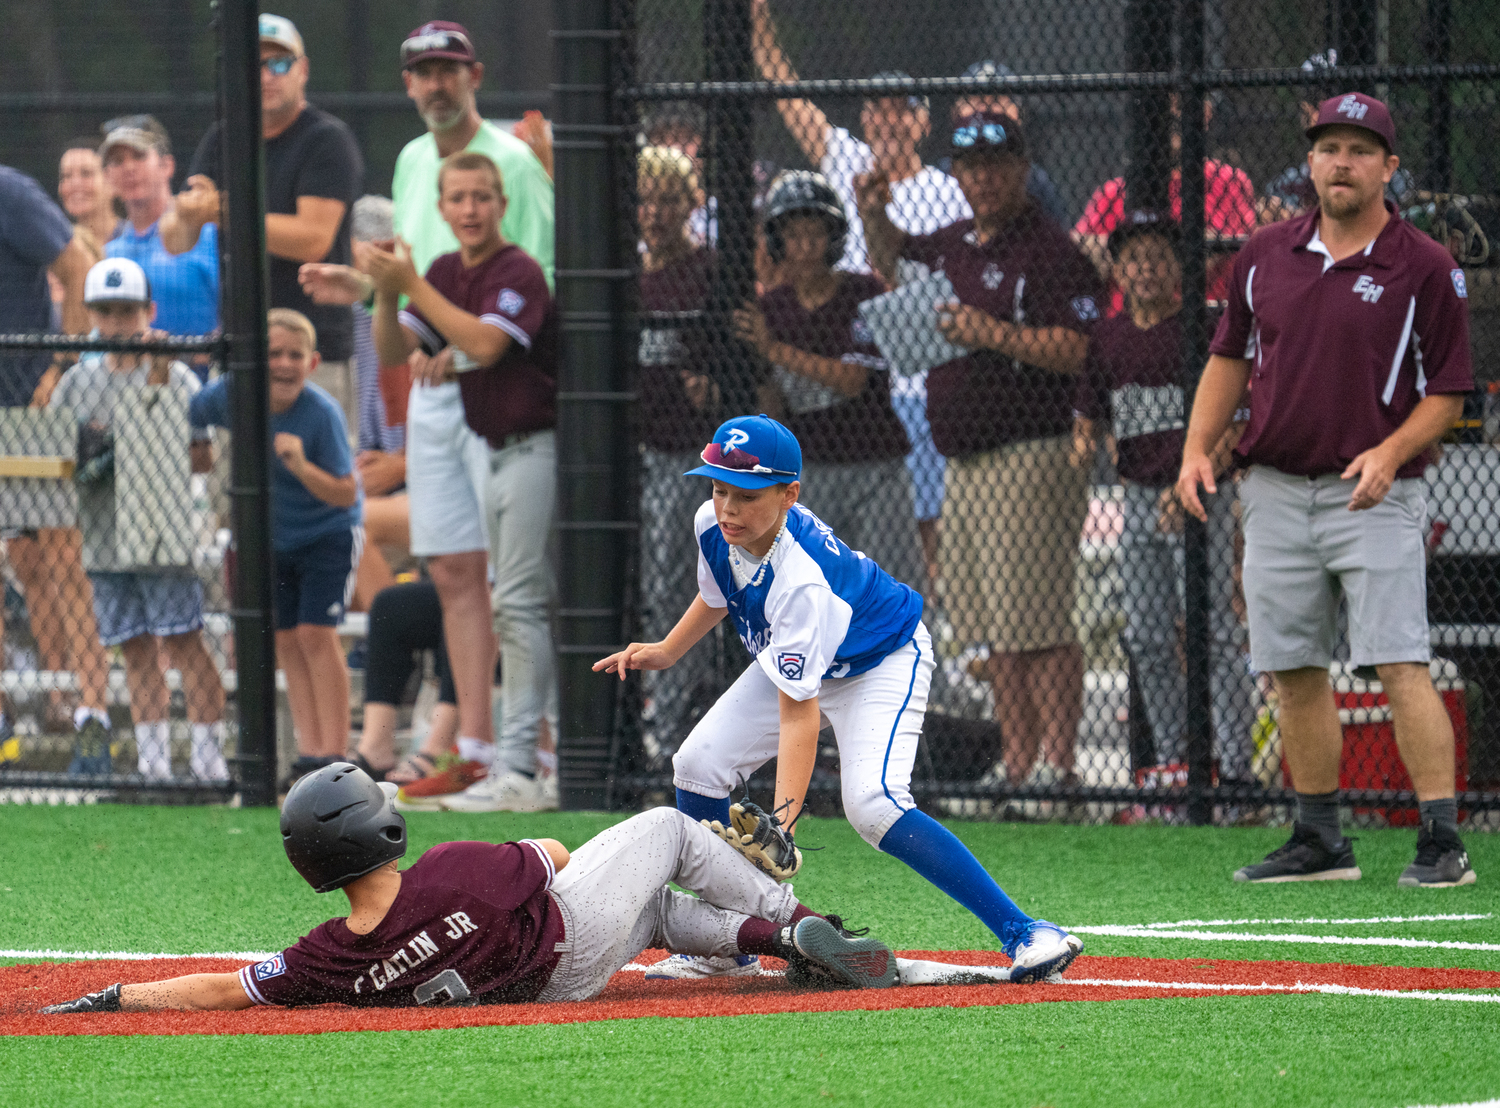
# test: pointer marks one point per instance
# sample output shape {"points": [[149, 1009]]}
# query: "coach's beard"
{"points": [[440, 114]]}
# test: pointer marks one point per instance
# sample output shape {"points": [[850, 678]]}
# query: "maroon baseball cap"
{"points": [[437, 39], [986, 131], [1355, 109]]}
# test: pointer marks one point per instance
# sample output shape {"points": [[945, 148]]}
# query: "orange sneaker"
{"points": [[452, 775]]}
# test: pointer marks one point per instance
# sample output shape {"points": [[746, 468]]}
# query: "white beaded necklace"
{"points": [[765, 562]]}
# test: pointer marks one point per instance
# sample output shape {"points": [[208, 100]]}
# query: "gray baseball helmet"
{"points": [[793, 192], [338, 824]]}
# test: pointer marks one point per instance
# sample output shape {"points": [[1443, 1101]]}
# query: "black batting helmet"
{"points": [[794, 192], [338, 824]]}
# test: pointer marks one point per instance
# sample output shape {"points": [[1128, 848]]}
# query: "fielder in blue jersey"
{"points": [[833, 637]]}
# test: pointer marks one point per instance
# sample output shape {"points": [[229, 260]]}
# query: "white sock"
{"points": [[546, 760], [207, 759], [153, 752], [476, 750], [82, 715]]}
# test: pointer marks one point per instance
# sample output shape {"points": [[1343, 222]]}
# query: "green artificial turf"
{"points": [[1251, 1052], [182, 880]]}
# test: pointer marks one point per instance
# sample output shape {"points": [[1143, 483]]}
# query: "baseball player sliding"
{"points": [[833, 637], [522, 921]]}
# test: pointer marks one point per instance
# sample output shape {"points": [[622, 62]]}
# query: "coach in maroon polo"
{"points": [[1014, 505], [1349, 326]]}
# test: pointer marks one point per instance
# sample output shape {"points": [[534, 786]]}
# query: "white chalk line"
{"points": [[1446, 917], [1298, 987], [1466, 1104], [1140, 931], [130, 955]]}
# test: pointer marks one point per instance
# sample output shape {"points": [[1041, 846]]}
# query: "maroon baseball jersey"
{"points": [[1341, 352], [669, 420], [830, 426], [518, 393], [1133, 380], [1029, 274], [478, 909]]}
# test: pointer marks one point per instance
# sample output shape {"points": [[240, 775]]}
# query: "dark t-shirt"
{"points": [[1029, 274], [33, 232], [669, 421], [1341, 352], [1133, 380], [518, 393], [830, 426], [479, 909], [316, 156]]}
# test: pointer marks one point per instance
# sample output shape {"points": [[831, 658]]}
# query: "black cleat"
{"points": [[105, 1000], [820, 955], [1442, 862], [1304, 858]]}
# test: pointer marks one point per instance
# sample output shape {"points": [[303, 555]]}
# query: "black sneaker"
{"points": [[1305, 858], [821, 955], [1442, 862]]}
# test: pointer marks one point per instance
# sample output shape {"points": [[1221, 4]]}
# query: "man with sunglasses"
{"points": [[314, 173], [1003, 415]]}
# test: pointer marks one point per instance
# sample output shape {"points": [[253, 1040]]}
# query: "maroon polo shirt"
{"points": [[1133, 379], [669, 421], [1030, 273], [518, 393], [1341, 353], [479, 909], [829, 426]]}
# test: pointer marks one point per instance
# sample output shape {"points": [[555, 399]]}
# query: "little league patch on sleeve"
{"points": [[271, 967], [790, 665], [1460, 286], [511, 302]]}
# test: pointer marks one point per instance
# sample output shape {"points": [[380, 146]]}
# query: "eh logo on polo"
{"points": [[993, 276], [790, 665], [1368, 290], [1351, 107]]}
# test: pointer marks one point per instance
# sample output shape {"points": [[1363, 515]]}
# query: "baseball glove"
{"points": [[759, 836], [105, 1000]]}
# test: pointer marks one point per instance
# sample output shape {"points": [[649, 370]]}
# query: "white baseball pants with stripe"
{"points": [[876, 718]]}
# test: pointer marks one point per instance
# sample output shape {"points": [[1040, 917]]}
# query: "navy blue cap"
{"points": [[751, 452]]}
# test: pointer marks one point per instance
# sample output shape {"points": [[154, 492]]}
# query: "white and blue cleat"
{"points": [[1040, 950], [699, 967]]}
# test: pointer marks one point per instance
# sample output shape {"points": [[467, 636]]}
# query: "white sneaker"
{"points": [[499, 792], [551, 797], [1040, 950], [696, 967]]}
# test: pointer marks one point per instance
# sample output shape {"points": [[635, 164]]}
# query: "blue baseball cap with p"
{"points": [[751, 452]]}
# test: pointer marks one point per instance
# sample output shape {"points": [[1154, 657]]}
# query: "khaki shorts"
{"points": [[1011, 522], [1304, 550]]}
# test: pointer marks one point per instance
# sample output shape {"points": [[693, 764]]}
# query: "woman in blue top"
{"points": [[832, 636]]}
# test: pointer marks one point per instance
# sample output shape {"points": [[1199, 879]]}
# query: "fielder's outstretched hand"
{"points": [[638, 655], [105, 1000]]}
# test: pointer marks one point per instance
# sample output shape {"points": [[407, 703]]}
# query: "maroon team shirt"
{"points": [[1341, 353], [479, 909], [1030, 274], [518, 393], [1133, 379], [830, 426], [669, 421]]}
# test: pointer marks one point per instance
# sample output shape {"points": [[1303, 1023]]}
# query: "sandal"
{"points": [[413, 767], [364, 763]]}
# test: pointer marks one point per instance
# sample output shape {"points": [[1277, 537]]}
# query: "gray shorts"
{"points": [[1304, 548]]}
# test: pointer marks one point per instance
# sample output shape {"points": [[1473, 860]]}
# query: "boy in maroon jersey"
{"points": [[514, 922], [1132, 382]]}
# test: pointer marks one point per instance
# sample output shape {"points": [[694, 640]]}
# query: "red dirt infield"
{"points": [[25, 988]]}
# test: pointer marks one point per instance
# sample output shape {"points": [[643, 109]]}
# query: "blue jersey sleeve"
{"points": [[210, 406]]}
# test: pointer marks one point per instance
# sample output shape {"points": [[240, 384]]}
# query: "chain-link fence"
{"points": [[970, 259]]}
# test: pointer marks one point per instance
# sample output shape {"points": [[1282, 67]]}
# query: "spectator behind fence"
{"points": [[316, 533], [1228, 213], [921, 199], [1358, 328], [485, 315], [827, 379], [37, 243], [1003, 415], [153, 613], [681, 129], [1133, 388], [86, 196], [679, 410], [1291, 191], [314, 171], [138, 164]]}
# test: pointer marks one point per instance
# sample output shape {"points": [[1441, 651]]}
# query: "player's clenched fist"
{"points": [[638, 655]]}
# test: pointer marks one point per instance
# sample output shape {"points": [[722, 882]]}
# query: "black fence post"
{"points": [[243, 266], [1190, 92], [1439, 44], [1148, 49], [596, 517]]}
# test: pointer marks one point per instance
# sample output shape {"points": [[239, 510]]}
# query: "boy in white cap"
{"points": [[145, 610]]}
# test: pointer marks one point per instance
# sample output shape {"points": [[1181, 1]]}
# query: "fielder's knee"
{"points": [[872, 813]]}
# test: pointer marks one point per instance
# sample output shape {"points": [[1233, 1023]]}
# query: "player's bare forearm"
{"points": [[483, 343], [884, 242], [393, 342], [556, 851], [203, 992], [696, 622], [795, 755], [1376, 468], [1055, 349], [844, 378], [804, 119], [308, 235], [1217, 399]]}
